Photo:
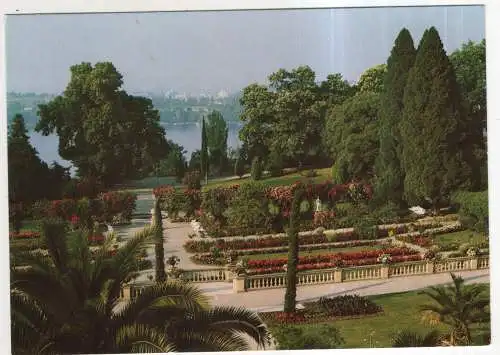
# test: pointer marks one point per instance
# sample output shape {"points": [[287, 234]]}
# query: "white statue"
{"points": [[318, 205]]}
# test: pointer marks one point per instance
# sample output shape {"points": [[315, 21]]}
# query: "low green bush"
{"points": [[473, 209], [323, 336], [347, 305]]}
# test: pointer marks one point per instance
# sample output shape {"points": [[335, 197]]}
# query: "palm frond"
{"points": [[210, 341], [28, 322], [410, 339], [236, 320], [54, 234], [141, 339], [161, 297], [49, 291]]}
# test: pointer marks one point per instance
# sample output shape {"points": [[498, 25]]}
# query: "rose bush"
{"points": [[117, 203]]}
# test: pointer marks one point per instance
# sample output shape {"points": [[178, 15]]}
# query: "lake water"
{"points": [[189, 136]]}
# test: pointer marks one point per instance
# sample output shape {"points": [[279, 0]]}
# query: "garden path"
{"points": [[175, 235]]}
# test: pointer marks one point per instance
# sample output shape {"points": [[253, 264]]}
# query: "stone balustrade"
{"points": [[207, 275], [314, 277], [371, 272]]}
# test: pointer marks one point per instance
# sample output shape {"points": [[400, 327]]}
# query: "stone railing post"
{"points": [[337, 275], [474, 263], [384, 271], [429, 267], [126, 292], [229, 274], [239, 284]]}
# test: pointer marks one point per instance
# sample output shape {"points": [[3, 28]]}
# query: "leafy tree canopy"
{"points": [[372, 79], [105, 132], [351, 135]]}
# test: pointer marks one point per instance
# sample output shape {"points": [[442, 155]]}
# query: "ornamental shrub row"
{"points": [[109, 207]]}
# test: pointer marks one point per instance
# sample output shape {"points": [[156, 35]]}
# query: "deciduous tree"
{"points": [[102, 130]]}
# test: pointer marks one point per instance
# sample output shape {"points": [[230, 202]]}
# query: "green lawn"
{"points": [[28, 225], [150, 183], [323, 174], [314, 252], [466, 236], [401, 311]]}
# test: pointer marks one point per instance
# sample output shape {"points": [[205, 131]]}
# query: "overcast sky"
{"points": [[209, 51]]}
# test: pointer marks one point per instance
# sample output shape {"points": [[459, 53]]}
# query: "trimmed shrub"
{"points": [[473, 209], [256, 169], [192, 180], [249, 208], [323, 336], [347, 305]]}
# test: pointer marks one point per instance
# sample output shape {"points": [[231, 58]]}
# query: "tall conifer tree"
{"points": [[204, 151], [159, 250], [293, 253], [389, 175], [433, 127]]}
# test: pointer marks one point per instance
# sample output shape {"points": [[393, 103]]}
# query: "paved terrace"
{"points": [[272, 299]]}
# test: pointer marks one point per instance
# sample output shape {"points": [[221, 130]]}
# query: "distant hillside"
{"points": [[172, 110]]}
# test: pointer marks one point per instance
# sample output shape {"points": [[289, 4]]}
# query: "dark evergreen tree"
{"points": [[204, 151], [433, 128], [389, 175], [24, 164], [293, 252], [159, 251], [239, 166], [256, 170]]}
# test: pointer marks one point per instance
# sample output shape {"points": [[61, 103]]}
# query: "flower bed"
{"points": [[369, 257], [365, 254], [338, 263], [341, 307], [25, 235], [420, 240], [96, 239]]}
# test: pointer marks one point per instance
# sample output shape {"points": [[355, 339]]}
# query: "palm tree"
{"points": [[458, 305], [409, 339], [68, 301]]}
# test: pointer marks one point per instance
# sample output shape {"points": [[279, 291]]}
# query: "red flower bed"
{"points": [[331, 260], [96, 239], [289, 318], [419, 240], [329, 265], [323, 218], [25, 235]]}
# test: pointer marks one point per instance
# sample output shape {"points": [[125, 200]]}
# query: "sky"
{"points": [[196, 52]]}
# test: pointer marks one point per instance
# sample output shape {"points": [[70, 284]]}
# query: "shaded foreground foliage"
{"points": [[68, 301]]}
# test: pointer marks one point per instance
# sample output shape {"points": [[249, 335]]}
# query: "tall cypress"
{"points": [[159, 252], [293, 253], [433, 128], [204, 151], [388, 171]]}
